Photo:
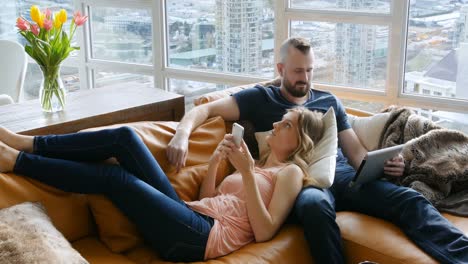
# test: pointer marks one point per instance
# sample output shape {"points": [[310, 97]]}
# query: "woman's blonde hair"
{"points": [[310, 130]]}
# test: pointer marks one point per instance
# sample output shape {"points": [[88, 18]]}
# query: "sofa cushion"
{"points": [[369, 238], [322, 168], [369, 129], [27, 235], [288, 246], [120, 234], [96, 252], [69, 211]]}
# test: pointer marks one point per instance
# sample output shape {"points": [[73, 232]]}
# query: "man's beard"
{"points": [[296, 92]]}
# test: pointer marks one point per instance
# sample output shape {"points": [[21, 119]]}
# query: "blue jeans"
{"points": [[138, 187], [410, 211]]}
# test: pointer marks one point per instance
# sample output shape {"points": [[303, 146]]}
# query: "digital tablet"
{"points": [[372, 166]]}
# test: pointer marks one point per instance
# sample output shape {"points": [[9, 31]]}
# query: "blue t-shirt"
{"points": [[265, 105]]}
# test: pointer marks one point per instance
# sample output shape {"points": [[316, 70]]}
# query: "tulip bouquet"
{"points": [[48, 44]]}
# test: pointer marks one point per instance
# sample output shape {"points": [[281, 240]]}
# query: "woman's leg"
{"points": [[171, 228], [16, 141], [122, 143]]}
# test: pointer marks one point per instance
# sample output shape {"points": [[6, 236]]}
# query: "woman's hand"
{"points": [[395, 166], [239, 157], [220, 152]]}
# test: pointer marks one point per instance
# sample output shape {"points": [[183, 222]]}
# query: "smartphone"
{"points": [[237, 133]]}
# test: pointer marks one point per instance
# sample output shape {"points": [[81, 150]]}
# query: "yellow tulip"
{"points": [[62, 15], [60, 18], [37, 16], [57, 22]]}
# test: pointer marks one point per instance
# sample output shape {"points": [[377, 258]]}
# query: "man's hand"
{"points": [[177, 151], [395, 166]]}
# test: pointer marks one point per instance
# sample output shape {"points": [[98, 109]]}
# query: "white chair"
{"points": [[12, 71]]}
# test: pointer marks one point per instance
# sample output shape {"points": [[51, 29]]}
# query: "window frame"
{"points": [[396, 20]]}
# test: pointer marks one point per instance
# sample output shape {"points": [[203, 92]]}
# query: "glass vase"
{"points": [[52, 92]]}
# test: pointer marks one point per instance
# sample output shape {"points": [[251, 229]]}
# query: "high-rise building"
{"points": [[355, 46], [238, 35], [460, 32], [202, 35]]}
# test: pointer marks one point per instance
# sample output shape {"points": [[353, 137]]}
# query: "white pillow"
{"points": [[369, 129], [322, 167]]}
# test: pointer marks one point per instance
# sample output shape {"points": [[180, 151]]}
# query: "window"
{"points": [[347, 54], [345, 5], [369, 53], [207, 35], [437, 49], [124, 79], [193, 89], [121, 34]]}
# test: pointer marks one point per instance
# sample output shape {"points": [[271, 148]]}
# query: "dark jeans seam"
{"points": [[192, 228]]}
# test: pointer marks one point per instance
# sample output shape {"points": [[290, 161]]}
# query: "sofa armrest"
{"points": [[357, 112]]}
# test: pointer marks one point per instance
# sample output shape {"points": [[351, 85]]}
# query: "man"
{"points": [[316, 208]]}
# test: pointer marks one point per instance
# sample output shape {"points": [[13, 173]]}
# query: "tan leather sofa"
{"points": [[103, 235]]}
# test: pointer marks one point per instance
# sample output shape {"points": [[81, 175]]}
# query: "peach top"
{"points": [[231, 229]]}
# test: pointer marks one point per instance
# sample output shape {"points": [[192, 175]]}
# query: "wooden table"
{"points": [[91, 108]]}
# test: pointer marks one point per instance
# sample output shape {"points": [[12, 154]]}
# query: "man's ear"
{"points": [[279, 68]]}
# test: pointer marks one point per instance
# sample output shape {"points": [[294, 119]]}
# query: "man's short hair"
{"points": [[301, 44]]}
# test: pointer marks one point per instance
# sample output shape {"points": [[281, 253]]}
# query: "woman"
{"points": [[248, 205]]}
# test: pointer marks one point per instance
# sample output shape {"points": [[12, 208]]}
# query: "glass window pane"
{"points": [[451, 120], [121, 79], [70, 78], [122, 34], [236, 38], [13, 9], [437, 50], [193, 89], [372, 107], [347, 54], [371, 6]]}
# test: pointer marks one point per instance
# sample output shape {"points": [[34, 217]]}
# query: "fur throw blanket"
{"points": [[436, 159]]}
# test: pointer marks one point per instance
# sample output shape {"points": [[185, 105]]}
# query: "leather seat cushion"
{"points": [[369, 238], [288, 246], [94, 251], [69, 212]]}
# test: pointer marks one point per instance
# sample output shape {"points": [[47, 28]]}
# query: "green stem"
{"points": [[51, 87]]}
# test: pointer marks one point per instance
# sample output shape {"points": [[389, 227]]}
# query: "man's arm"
{"points": [[177, 149], [352, 147], [355, 152]]}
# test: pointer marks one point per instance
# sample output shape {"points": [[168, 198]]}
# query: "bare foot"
{"points": [[16, 141], [8, 157]]}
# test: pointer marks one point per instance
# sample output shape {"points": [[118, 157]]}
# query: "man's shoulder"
{"points": [[322, 93], [258, 90]]}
